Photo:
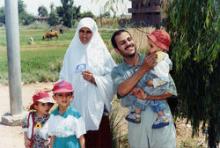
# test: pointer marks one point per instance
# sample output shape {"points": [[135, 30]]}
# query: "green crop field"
{"points": [[41, 60]]}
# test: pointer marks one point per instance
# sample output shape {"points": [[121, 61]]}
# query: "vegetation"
{"points": [[195, 30], [41, 60]]}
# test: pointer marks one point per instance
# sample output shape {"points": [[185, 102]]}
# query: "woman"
{"points": [[87, 65]]}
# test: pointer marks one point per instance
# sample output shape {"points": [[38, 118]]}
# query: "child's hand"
{"points": [[27, 143], [150, 83], [139, 93]]}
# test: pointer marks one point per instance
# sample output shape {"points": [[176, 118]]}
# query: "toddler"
{"points": [[36, 119]]}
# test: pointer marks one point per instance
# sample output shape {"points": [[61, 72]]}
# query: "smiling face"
{"points": [[125, 45], [85, 35]]}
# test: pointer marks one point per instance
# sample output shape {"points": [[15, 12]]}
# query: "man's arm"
{"points": [[126, 86], [160, 97], [140, 94]]}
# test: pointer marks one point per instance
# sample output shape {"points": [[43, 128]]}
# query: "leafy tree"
{"points": [[42, 11], [195, 29], [2, 15], [24, 17], [53, 18], [21, 6], [87, 14], [66, 12]]}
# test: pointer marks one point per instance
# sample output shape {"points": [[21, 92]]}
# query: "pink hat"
{"points": [[160, 38], [62, 87], [41, 96]]}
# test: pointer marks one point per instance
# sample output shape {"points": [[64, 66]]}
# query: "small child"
{"points": [[33, 123], [65, 124], [156, 82]]}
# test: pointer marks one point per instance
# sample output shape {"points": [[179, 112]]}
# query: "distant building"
{"points": [[146, 12]]}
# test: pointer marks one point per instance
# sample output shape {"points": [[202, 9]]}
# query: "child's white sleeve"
{"points": [[161, 70], [80, 127]]}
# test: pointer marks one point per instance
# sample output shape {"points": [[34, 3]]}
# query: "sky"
{"points": [[86, 5]]}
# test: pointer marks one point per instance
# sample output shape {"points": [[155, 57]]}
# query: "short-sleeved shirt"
{"points": [[67, 124], [148, 137], [38, 122]]}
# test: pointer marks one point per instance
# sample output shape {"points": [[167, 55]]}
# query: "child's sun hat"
{"points": [[160, 38], [41, 96], [62, 87]]}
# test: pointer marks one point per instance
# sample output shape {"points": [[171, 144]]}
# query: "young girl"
{"points": [[65, 124], [33, 123]]}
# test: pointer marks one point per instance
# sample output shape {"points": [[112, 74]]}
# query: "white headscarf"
{"points": [[88, 98]]}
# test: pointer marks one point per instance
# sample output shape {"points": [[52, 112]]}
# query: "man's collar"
{"points": [[140, 60]]}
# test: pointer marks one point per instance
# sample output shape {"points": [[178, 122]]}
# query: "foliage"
{"points": [[66, 12], [53, 18], [195, 30], [42, 60], [42, 11], [2, 15], [24, 17], [87, 14]]}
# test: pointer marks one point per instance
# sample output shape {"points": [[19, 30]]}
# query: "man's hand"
{"points": [[139, 93], [150, 60], [150, 83]]}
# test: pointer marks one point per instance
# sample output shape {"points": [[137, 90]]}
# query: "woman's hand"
{"points": [[87, 75], [139, 93]]}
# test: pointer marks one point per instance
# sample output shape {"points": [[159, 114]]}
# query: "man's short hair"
{"points": [[116, 33]]}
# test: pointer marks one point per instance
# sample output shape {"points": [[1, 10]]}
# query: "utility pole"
{"points": [[14, 66]]}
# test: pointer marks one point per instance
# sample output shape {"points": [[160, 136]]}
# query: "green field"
{"points": [[41, 60]]}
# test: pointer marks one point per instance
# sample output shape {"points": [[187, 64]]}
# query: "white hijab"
{"points": [[89, 99]]}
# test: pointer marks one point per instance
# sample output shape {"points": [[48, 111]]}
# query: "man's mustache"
{"points": [[132, 45]]}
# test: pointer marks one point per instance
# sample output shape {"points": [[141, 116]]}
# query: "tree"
{"points": [[42, 11], [87, 14], [2, 15], [66, 12], [195, 30], [53, 19], [24, 17]]}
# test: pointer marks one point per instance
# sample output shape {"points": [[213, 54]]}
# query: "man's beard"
{"points": [[130, 55]]}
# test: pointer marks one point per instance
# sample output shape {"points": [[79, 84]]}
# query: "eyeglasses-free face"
{"points": [[63, 99], [85, 35]]}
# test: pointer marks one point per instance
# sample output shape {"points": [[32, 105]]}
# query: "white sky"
{"points": [[86, 5]]}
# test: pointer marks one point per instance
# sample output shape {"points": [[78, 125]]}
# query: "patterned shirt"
{"points": [[34, 123]]}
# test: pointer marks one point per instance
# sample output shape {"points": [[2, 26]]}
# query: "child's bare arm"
{"points": [[51, 141], [27, 142], [82, 141]]}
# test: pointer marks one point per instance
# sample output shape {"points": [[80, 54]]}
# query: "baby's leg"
{"points": [[162, 120]]}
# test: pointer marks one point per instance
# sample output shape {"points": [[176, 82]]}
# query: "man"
{"points": [[125, 77]]}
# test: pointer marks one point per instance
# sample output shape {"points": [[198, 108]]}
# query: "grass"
{"points": [[41, 60]]}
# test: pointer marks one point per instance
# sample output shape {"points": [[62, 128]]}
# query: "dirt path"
{"points": [[12, 136]]}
